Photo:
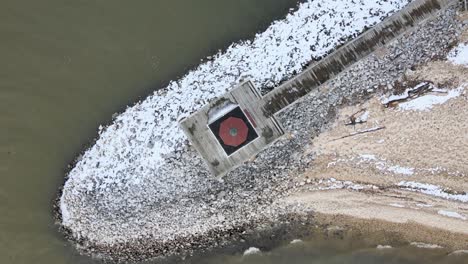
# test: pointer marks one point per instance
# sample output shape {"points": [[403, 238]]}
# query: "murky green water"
{"points": [[336, 252], [66, 67], [335, 247]]}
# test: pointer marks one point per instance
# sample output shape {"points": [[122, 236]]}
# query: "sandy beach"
{"points": [[402, 167]]}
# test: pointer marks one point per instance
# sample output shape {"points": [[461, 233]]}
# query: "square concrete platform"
{"points": [[231, 129]]}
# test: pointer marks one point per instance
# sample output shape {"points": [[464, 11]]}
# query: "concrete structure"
{"points": [[260, 111], [238, 111]]}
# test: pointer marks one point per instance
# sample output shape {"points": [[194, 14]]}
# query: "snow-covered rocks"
{"points": [[135, 145], [252, 251], [127, 171], [296, 241], [384, 247], [459, 252], [424, 245]]}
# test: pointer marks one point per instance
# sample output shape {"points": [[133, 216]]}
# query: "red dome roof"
{"points": [[233, 131]]}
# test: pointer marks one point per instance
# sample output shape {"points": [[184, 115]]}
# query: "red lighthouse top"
{"points": [[233, 131]]}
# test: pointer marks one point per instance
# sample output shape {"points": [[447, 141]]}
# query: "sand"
{"points": [[355, 180]]}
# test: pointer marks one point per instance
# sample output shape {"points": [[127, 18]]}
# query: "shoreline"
{"points": [[282, 187], [406, 225], [368, 233]]}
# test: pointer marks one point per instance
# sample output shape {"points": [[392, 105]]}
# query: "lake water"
{"points": [[67, 66], [336, 252], [337, 247]]}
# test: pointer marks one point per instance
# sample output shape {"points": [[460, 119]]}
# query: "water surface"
{"points": [[350, 247]]}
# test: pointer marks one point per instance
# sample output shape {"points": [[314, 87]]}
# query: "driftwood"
{"points": [[353, 119], [409, 94], [373, 129]]}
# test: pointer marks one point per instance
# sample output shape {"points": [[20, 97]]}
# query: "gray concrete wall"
{"points": [[322, 71]]}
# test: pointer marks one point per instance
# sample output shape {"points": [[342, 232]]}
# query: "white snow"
{"points": [[382, 165], [397, 205], [459, 252], [363, 118], [368, 157], [218, 112], [451, 214], [426, 102], [424, 245], [459, 55], [64, 210], [384, 247], [333, 184], [423, 205], [296, 241], [404, 95], [401, 170], [251, 251], [130, 153], [433, 190]]}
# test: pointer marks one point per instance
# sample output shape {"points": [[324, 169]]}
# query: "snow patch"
{"points": [[382, 165], [217, 112], [333, 184], [384, 247], [424, 245], [363, 118], [413, 102], [252, 251], [428, 101], [368, 157], [296, 241], [401, 170], [451, 214], [433, 190], [64, 211], [423, 205], [459, 252], [397, 205], [459, 55], [406, 94]]}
